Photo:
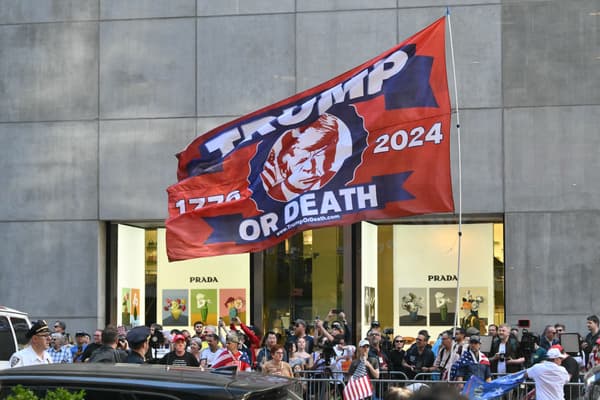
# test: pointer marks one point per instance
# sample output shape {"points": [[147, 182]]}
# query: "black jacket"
{"points": [[106, 354], [513, 351]]}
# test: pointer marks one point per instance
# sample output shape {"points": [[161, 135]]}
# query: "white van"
{"points": [[13, 327]]}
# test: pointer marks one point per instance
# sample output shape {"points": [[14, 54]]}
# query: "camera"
{"points": [[528, 342], [501, 357], [388, 331], [157, 339]]}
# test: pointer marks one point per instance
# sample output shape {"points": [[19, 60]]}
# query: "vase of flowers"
{"points": [[135, 307], [412, 303], [441, 302], [125, 315], [175, 307], [202, 304]]}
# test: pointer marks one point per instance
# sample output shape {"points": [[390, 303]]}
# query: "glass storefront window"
{"points": [[417, 268], [150, 275], [303, 278]]}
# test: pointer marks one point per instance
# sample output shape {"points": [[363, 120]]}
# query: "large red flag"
{"points": [[372, 143]]}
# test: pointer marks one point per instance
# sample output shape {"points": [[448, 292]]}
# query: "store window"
{"points": [[303, 278], [417, 276], [150, 289]]}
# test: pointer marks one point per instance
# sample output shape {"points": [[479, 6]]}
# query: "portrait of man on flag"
{"points": [[306, 158]]}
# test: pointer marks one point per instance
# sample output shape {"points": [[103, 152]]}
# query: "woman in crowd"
{"points": [[306, 359], [362, 360], [195, 347], [296, 363], [396, 356], [276, 366]]}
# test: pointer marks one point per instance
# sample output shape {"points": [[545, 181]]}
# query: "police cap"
{"points": [[138, 335], [39, 326]]}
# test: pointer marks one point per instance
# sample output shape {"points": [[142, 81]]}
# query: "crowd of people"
{"points": [[329, 352]]}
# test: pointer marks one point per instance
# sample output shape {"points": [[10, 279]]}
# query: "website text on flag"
{"points": [[372, 143]]}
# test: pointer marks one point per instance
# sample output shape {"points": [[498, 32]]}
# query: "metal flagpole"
{"points": [[459, 177]]}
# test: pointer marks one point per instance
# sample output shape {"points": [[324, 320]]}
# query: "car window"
{"points": [[7, 343], [21, 327]]}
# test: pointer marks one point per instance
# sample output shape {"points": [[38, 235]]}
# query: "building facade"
{"points": [[98, 96]]}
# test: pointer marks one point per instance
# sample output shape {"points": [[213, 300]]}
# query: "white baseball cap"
{"points": [[553, 354]]}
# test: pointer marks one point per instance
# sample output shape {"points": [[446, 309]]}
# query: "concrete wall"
{"points": [[98, 95]]}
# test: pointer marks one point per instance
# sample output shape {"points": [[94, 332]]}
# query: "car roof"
{"points": [[147, 377], [8, 310]]}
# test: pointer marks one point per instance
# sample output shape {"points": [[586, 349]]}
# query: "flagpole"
{"points": [[459, 177]]}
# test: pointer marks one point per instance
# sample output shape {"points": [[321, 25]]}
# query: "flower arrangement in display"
{"points": [[125, 302], [441, 302], [135, 307], [412, 303], [202, 303], [175, 306]]}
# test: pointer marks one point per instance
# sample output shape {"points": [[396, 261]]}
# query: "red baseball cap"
{"points": [[178, 337], [558, 346]]}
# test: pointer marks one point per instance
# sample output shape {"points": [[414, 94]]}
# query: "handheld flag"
{"points": [[372, 143], [477, 389], [357, 389], [359, 385]]}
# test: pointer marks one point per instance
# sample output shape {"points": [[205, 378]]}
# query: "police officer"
{"points": [[138, 343], [35, 353]]}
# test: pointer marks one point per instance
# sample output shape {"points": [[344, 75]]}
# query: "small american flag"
{"points": [[358, 388]]}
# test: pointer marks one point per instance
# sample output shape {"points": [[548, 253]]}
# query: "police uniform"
{"points": [[135, 337], [28, 356]]}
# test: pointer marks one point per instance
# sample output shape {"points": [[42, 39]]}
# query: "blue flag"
{"points": [[477, 389]]}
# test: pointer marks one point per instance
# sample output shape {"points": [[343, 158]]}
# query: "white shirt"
{"points": [[457, 351], [550, 379], [210, 356], [28, 357], [444, 360], [348, 351], [502, 364]]}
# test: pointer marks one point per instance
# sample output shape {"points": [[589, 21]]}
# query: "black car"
{"points": [[148, 382]]}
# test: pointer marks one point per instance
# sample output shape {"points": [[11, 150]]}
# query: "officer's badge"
{"points": [[14, 360]]}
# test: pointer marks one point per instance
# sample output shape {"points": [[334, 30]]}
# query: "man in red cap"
{"points": [[35, 353], [180, 356]]}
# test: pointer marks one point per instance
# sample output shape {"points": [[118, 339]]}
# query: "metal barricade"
{"points": [[573, 390], [322, 388], [382, 386], [393, 375], [309, 374], [427, 376], [315, 386]]}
